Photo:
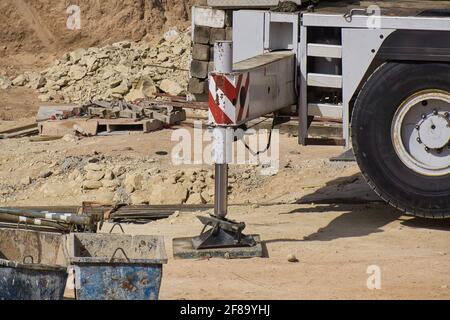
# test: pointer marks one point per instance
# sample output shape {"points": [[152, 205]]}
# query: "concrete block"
{"points": [[208, 17], [201, 34], [199, 69], [229, 33], [200, 52], [197, 86], [216, 35]]}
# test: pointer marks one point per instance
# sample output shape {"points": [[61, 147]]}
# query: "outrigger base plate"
{"points": [[220, 238]]}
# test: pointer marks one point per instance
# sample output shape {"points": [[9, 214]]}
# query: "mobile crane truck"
{"points": [[386, 77]]}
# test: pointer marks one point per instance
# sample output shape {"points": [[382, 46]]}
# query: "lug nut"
{"points": [[424, 116], [427, 149], [435, 112], [419, 141]]}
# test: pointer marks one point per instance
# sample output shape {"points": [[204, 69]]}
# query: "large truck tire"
{"points": [[401, 131]]}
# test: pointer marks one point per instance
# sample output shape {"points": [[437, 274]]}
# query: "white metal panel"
{"points": [[360, 46], [246, 3], [303, 96], [248, 34], [325, 110], [324, 50], [386, 22], [324, 80]]}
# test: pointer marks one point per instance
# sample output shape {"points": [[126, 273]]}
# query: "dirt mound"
{"points": [[37, 29]]}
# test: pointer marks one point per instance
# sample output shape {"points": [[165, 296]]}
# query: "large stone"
{"points": [[196, 198], [145, 88], [76, 55], [93, 167], [95, 175], [19, 81], [133, 182], [167, 194], [140, 197], [36, 80], [5, 83], [122, 89], [171, 87], [77, 72], [92, 185]]}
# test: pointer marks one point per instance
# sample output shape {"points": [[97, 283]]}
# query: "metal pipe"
{"points": [[29, 221], [221, 190], [61, 217]]}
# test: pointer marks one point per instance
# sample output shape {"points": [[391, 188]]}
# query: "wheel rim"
{"points": [[421, 132]]}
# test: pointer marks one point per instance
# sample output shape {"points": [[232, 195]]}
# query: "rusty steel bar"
{"points": [[69, 218]]}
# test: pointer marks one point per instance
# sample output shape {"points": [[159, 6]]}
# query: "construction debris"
{"points": [[124, 70], [99, 116], [19, 132]]}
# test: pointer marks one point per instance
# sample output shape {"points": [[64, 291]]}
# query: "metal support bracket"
{"points": [[222, 233]]}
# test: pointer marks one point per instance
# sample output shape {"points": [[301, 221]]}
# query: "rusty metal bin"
{"points": [[116, 267], [32, 265]]}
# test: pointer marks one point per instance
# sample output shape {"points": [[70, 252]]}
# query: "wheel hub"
{"points": [[421, 132], [434, 131]]}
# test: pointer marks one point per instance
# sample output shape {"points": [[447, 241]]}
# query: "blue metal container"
{"points": [[116, 267], [32, 265]]}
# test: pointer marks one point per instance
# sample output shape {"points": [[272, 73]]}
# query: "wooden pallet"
{"points": [[146, 126], [92, 127]]}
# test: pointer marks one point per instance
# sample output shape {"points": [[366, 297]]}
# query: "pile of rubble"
{"points": [[124, 70]]}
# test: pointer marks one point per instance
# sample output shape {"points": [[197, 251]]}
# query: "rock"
{"points": [[167, 194], [110, 184], [26, 181], [5, 83], [292, 258], [76, 55], [206, 196], [45, 97], [21, 80], [171, 35], [92, 185], [145, 88], [122, 44], [93, 167], [121, 89], [196, 198], [70, 138], [109, 175], [75, 175], [103, 196], [45, 174], [140, 197], [77, 72], [133, 182], [95, 175], [36, 81]]}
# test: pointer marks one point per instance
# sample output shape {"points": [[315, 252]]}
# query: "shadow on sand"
{"points": [[363, 213]]}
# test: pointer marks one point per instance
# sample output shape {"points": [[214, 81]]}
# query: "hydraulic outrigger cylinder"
{"points": [[219, 232]]}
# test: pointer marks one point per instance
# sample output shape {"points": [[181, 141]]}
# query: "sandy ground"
{"points": [[329, 218], [335, 246]]}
